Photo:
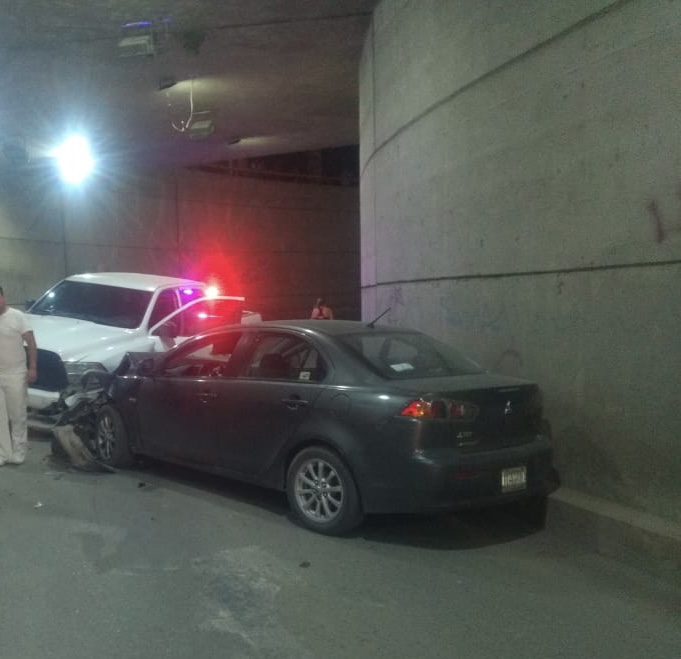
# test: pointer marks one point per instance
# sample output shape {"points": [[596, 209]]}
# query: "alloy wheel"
{"points": [[319, 490], [106, 437]]}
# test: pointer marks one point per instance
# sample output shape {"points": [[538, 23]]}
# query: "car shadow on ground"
{"points": [[151, 474], [462, 530], [454, 531]]}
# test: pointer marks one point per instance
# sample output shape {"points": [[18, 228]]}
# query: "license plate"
{"points": [[513, 479]]}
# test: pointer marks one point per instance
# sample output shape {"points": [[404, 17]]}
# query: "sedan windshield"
{"points": [[409, 355], [104, 305]]}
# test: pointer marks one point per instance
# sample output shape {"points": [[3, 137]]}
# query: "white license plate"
{"points": [[514, 478]]}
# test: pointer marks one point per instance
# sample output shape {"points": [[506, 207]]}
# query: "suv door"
{"points": [[196, 317]]}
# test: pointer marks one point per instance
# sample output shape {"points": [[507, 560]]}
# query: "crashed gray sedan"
{"points": [[348, 418]]}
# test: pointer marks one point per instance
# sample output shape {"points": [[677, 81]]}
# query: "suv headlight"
{"points": [[75, 370]]}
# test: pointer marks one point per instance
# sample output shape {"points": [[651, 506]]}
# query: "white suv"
{"points": [[91, 320]]}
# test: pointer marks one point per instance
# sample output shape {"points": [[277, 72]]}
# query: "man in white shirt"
{"points": [[15, 331]]}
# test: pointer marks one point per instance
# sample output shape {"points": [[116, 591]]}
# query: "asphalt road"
{"points": [[165, 562]]}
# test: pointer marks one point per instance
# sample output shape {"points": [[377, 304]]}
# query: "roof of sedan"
{"points": [[333, 327], [135, 280]]}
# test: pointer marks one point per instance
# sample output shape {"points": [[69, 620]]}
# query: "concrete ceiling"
{"points": [[277, 75]]}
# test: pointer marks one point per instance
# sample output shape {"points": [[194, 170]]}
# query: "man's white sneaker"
{"points": [[2, 462], [15, 460]]}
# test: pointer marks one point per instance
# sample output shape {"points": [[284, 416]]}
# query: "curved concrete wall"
{"points": [[521, 198]]}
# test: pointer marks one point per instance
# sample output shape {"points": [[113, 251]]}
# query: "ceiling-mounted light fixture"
{"points": [[138, 46], [166, 82], [201, 129], [74, 159]]}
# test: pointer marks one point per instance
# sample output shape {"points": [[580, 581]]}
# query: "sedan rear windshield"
{"points": [[104, 305], [409, 355]]}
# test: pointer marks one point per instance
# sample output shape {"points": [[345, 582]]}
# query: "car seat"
{"points": [[273, 365]]}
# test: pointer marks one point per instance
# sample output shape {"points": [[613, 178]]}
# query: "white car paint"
{"points": [[79, 341]]}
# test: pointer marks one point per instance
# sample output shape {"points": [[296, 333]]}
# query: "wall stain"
{"points": [[509, 361], [662, 228], [658, 222], [395, 298]]}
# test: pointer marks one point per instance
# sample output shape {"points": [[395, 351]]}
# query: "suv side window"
{"points": [[166, 303]]}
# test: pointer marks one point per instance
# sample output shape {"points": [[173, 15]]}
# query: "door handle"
{"points": [[294, 402], [205, 396]]}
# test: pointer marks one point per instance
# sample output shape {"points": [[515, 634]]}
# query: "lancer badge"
{"points": [[508, 409]]}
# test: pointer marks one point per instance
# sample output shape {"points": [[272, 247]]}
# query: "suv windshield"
{"points": [[409, 355], [105, 305]]}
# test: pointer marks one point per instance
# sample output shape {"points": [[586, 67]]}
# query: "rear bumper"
{"points": [[447, 480]]}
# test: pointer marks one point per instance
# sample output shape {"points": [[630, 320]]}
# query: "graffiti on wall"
{"points": [[662, 226]]}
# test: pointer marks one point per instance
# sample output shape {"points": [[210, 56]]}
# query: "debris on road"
{"points": [[76, 451]]}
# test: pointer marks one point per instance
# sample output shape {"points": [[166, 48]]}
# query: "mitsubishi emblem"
{"points": [[508, 409]]}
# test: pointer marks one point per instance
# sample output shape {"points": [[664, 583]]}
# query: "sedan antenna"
{"points": [[375, 320]]}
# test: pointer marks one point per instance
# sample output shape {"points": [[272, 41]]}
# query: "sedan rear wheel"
{"points": [[111, 438], [322, 492]]}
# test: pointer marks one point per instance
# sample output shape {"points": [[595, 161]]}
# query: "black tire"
{"points": [[322, 492], [111, 438]]}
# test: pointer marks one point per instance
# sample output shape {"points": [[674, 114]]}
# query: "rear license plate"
{"points": [[513, 479]]}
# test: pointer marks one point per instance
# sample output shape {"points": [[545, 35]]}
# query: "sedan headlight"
{"points": [[75, 370]]}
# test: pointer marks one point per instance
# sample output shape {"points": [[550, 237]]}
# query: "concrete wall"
{"points": [[521, 198], [279, 244]]}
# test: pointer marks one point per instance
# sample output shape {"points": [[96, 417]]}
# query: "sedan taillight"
{"points": [[425, 409], [422, 408]]}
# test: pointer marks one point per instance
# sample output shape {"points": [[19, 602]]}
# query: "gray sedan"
{"points": [[348, 418]]}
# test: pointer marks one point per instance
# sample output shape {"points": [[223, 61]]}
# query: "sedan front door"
{"points": [[181, 411], [275, 392]]}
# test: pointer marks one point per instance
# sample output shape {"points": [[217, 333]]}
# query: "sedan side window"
{"points": [[208, 359], [285, 357]]}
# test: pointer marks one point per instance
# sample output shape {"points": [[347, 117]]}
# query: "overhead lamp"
{"points": [[74, 159], [166, 82]]}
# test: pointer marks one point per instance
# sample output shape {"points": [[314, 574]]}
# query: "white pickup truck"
{"points": [[89, 321]]}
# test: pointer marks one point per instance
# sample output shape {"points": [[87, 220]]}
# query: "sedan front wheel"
{"points": [[111, 438], [322, 492]]}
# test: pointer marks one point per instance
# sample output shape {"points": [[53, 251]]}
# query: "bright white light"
{"points": [[74, 159], [212, 291]]}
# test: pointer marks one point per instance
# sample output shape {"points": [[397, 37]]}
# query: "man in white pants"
{"points": [[15, 330]]}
